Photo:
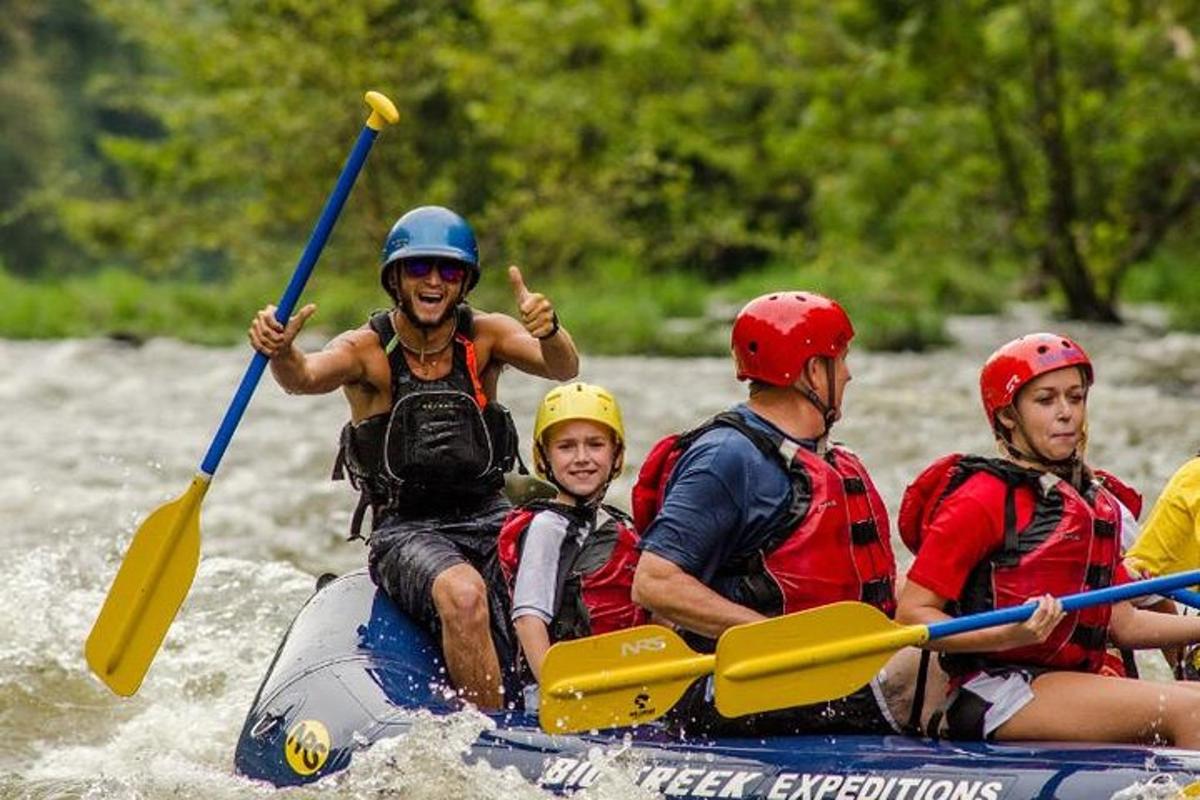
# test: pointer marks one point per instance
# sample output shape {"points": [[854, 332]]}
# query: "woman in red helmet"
{"points": [[1033, 524]]}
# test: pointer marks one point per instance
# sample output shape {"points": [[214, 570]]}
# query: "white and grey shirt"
{"points": [[535, 590]]}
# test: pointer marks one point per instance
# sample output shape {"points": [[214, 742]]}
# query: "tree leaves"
{"points": [[711, 136]]}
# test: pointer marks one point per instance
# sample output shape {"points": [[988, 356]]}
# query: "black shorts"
{"points": [[986, 700], [859, 712], [408, 554]]}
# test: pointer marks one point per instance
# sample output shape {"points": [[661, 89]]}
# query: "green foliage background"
{"points": [[162, 161]]}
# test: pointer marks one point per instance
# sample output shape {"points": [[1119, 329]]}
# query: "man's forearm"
{"points": [[288, 369], [560, 355], [688, 603]]}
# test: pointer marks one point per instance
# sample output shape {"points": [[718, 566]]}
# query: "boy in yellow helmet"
{"points": [[570, 561]]}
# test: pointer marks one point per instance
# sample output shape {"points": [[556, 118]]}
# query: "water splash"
{"points": [[101, 434], [1162, 787]]}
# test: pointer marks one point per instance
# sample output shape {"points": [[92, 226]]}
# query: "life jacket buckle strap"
{"points": [[864, 532], [1099, 576], [854, 486], [788, 450], [877, 592], [1104, 527], [1090, 637], [360, 513]]}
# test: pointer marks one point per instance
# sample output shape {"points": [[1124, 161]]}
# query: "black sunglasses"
{"points": [[450, 271]]}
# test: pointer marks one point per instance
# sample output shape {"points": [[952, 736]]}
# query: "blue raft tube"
{"points": [[352, 668]]}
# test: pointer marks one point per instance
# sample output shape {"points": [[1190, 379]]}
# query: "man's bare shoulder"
{"points": [[495, 325], [362, 347], [358, 339]]}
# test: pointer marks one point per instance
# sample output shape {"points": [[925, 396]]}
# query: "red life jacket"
{"points": [[834, 543], [1130, 497], [1069, 545], [594, 581]]}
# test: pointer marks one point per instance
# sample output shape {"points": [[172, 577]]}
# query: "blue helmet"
{"points": [[430, 231]]}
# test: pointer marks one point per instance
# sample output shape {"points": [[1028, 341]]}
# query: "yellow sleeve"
{"points": [[1170, 539]]}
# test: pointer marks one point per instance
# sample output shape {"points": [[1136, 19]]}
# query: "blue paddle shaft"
{"points": [[308, 260], [1072, 602], [1186, 596]]}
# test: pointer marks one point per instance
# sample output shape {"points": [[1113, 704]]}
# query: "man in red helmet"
{"points": [[427, 445], [754, 514]]}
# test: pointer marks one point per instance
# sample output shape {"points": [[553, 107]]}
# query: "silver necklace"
{"points": [[422, 351]]}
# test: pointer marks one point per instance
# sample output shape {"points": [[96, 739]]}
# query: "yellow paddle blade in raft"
{"points": [[616, 679], [808, 657]]}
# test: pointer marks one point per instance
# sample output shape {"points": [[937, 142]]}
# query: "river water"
{"points": [[98, 433]]}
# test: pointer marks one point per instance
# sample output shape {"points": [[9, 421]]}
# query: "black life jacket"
{"points": [[442, 448]]}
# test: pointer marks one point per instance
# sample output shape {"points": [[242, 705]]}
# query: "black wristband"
{"points": [[553, 328]]}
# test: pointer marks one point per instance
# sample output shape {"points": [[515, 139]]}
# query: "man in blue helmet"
{"points": [[427, 445]]}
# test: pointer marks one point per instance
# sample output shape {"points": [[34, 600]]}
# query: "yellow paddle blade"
{"points": [[616, 679], [807, 657], [147, 592]]}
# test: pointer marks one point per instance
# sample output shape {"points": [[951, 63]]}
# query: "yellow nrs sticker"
{"points": [[307, 746]]}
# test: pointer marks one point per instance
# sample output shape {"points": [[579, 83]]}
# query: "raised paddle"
{"points": [[161, 560], [636, 675]]}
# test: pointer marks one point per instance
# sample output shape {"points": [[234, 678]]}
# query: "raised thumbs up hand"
{"points": [[537, 312], [269, 337]]}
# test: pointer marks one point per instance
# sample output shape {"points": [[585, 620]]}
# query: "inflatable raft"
{"points": [[352, 667]]}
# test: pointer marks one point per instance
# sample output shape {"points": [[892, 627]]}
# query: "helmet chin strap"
{"points": [[827, 408], [1069, 468]]}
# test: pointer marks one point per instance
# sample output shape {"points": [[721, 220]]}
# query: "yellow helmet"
{"points": [[577, 401]]}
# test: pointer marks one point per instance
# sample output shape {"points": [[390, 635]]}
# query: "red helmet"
{"points": [[1017, 363], [775, 335]]}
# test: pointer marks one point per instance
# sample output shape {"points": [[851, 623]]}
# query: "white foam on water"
{"points": [[101, 434], [430, 762], [176, 735], [1162, 787], [616, 773], [427, 764]]}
